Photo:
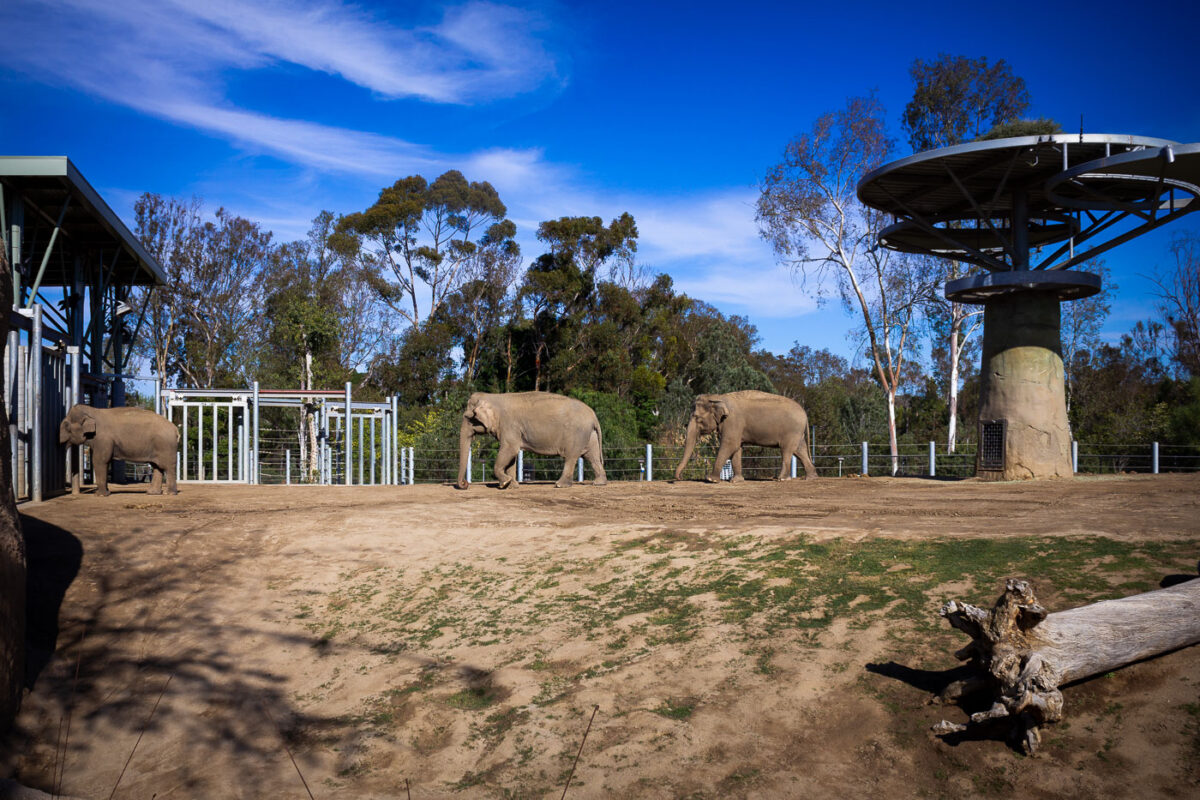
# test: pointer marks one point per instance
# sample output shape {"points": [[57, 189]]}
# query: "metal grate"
{"points": [[991, 444]]}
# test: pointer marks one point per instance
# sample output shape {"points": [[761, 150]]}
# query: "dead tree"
{"points": [[1024, 653]]}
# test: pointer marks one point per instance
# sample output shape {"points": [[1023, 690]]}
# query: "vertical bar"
{"points": [[812, 443], [932, 460], [229, 435], [35, 415], [76, 396], [346, 443], [412, 470], [216, 422], [649, 463], [402, 476], [372, 437], [361, 450], [1020, 230], [287, 470], [579, 470], [199, 441], [1154, 453], [793, 466], [253, 456], [1074, 456], [157, 395], [520, 465], [864, 458], [468, 466], [242, 448]]}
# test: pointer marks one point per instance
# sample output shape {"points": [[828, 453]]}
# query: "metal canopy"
{"points": [[1068, 197], [51, 189]]}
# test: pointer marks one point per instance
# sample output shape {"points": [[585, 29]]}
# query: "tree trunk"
{"points": [[956, 320], [688, 446], [12, 554], [892, 443], [1026, 654]]}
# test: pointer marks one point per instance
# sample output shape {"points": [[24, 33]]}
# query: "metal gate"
{"points": [[214, 439]]}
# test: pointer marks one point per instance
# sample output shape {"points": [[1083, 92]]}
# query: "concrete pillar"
{"points": [[1022, 397]]}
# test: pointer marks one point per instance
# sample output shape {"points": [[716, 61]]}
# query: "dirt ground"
{"points": [[760, 640]]}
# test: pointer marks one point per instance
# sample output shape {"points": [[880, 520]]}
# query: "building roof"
{"points": [[89, 225]]}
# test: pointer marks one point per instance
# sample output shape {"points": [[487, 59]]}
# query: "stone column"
{"points": [[1022, 385]]}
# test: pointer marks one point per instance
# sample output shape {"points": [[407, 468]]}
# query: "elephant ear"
{"points": [[89, 426], [485, 414], [720, 410]]}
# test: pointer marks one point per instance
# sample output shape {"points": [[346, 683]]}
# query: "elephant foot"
{"points": [[737, 479], [507, 484], [154, 491], [103, 493], [602, 482], [172, 491], [461, 485], [562, 485], [711, 479]]}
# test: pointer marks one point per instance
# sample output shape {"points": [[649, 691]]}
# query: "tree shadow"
{"points": [[1174, 580], [53, 557]]}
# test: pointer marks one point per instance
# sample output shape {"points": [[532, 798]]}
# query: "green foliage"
{"points": [[1041, 126], [618, 418], [956, 99]]}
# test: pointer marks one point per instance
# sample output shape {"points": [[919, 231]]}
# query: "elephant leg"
{"points": [[101, 458], [736, 460], [169, 476], [725, 452], [568, 473], [505, 459], [595, 457], [786, 452], [810, 469], [156, 480]]}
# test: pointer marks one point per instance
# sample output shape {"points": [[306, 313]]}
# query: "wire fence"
{"points": [[280, 462]]}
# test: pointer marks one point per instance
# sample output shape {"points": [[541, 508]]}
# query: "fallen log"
{"points": [[1025, 654]]}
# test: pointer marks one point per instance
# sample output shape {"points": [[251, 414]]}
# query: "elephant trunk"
{"points": [[465, 435], [688, 447]]}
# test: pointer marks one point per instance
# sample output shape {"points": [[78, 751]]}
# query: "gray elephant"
{"points": [[133, 434], [543, 423], [750, 417]]}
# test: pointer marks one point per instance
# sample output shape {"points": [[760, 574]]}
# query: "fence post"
{"points": [[520, 466], [649, 463], [812, 443], [346, 445], [254, 453], [412, 470], [287, 470], [793, 466], [1074, 456], [402, 475], [468, 466], [932, 460], [1154, 452], [35, 415], [864, 459], [579, 470], [76, 453]]}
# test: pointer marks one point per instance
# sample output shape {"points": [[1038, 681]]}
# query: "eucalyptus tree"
{"points": [[1178, 290], [808, 211], [419, 238], [958, 99]]}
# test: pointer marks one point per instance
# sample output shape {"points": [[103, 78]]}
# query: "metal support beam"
{"points": [[35, 415], [41, 273], [346, 444]]}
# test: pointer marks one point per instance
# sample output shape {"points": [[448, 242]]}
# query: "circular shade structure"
{"points": [[1025, 210]]}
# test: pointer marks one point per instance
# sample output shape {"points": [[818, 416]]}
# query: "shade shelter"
{"points": [[1024, 211], [75, 264]]}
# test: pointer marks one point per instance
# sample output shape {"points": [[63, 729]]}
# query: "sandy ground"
{"points": [[377, 642]]}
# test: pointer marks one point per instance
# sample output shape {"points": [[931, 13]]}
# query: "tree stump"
{"points": [[1025, 654]]}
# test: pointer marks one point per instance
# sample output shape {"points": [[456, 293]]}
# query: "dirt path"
{"points": [[757, 640]]}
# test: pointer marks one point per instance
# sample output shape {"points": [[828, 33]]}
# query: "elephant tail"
{"points": [[599, 441]]}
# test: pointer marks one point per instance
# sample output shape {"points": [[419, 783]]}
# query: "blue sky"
{"points": [[276, 109]]}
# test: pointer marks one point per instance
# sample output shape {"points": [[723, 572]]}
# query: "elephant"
{"points": [[133, 434], [749, 417], [541, 422]]}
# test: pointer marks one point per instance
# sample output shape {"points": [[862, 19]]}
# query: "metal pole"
{"points": [[649, 463], [1074, 456], [76, 452], [793, 466], [468, 466], [242, 450], [579, 469], [361, 450], [520, 465], [229, 435], [200, 441], [35, 416], [402, 475], [182, 472], [372, 437], [412, 469], [216, 424], [12, 403], [812, 443], [864, 458], [932, 460], [1154, 452], [287, 470], [346, 443], [253, 460], [157, 394]]}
